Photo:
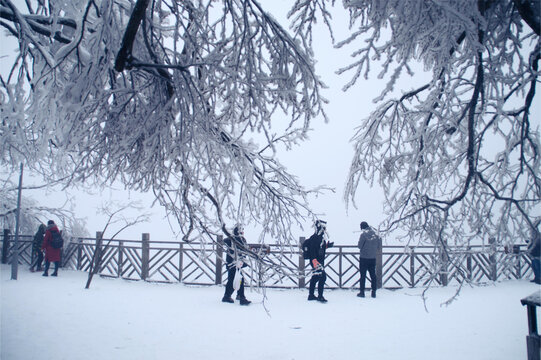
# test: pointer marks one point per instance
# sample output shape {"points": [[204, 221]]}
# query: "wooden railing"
{"points": [[202, 264]]}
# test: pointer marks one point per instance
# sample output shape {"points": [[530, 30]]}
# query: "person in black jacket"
{"points": [[37, 253], [317, 248], [237, 248], [534, 251]]}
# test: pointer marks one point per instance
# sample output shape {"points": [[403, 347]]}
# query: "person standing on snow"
{"points": [[237, 248], [37, 253], [317, 249], [51, 254], [369, 244]]}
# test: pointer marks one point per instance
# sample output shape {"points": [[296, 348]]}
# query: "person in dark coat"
{"points": [[51, 254], [317, 250], [237, 249], [534, 251], [369, 244], [37, 253]]}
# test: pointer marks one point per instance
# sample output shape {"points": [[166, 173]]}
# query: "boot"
{"points": [[321, 299], [311, 297], [45, 274], [54, 274], [373, 293], [244, 301], [361, 294], [228, 300]]}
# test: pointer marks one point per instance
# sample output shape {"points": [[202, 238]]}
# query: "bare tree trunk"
{"points": [[96, 259]]}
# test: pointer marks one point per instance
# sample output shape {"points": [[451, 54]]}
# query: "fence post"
{"points": [[219, 254], [5, 247], [492, 259], [412, 267], [379, 266], [340, 255], [302, 280], [516, 254], [180, 260], [120, 258], [444, 258], [79, 253], [518, 268], [469, 263], [145, 256], [97, 252]]}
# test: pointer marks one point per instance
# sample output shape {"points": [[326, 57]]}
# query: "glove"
{"points": [[315, 263], [239, 264]]}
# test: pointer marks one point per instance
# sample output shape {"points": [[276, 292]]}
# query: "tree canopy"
{"points": [[458, 157], [181, 98], [174, 97]]}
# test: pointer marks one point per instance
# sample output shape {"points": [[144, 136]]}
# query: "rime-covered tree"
{"points": [[33, 213], [458, 157], [168, 95], [173, 97]]}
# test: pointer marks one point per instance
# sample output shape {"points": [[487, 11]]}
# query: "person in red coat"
{"points": [[51, 254]]}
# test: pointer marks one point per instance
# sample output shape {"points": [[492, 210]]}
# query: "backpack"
{"points": [[306, 245], [56, 241]]}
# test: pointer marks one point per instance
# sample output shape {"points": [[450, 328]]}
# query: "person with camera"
{"points": [[317, 246], [237, 250]]}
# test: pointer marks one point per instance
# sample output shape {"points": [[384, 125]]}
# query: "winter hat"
{"points": [[50, 222], [238, 230], [320, 224], [364, 225]]}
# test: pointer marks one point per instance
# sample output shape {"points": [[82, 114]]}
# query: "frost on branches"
{"points": [[176, 97], [165, 96], [33, 214], [459, 156]]}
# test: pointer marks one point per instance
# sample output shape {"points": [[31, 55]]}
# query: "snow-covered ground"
{"points": [[56, 318]]}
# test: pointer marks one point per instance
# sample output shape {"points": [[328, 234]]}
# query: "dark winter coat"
{"points": [[534, 247], [369, 244], [318, 248], [237, 249], [51, 254], [38, 239]]}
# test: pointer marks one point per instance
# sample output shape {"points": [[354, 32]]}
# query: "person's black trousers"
{"points": [[370, 265], [56, 266], [318, 279], [38, 261], [229, 286]]}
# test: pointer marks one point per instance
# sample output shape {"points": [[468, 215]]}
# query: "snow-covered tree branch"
{"points": [[117, 221], [177, 97], [458, 157], [174, 97], [33, 214]]}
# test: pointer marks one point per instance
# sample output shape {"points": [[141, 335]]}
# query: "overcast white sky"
{"points": [[322, 160]]}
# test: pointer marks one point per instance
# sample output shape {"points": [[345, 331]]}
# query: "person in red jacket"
{"points": [[51, 254]]}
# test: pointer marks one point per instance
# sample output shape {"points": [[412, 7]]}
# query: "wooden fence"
{"points": [[202, 264]]}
